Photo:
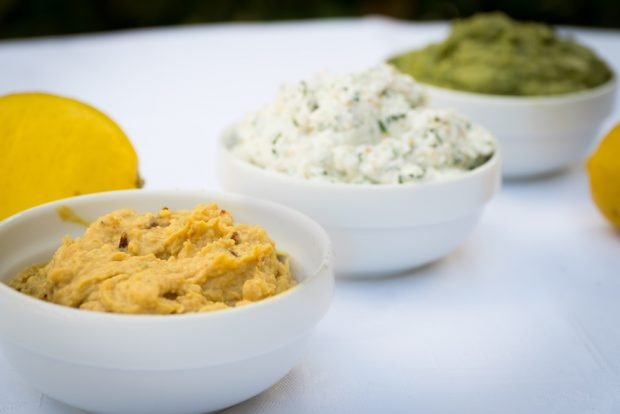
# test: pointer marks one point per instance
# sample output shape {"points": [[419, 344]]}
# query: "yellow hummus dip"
{"points": [[164, 263]]}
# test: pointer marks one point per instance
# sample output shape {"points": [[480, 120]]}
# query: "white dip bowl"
{"points": [[537, 135], [190, 363], [376, 229]]}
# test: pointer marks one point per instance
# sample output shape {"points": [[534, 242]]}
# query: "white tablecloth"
{"points": [[523, 318]]}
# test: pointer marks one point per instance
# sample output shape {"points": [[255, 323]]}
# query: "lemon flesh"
{"points": [[52, 147], [604, 172]]}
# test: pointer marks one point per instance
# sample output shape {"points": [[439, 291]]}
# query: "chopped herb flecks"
{"points": [[382, 126], [371, 127]]}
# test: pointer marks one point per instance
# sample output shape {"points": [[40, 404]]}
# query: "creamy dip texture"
{"points": [[369, 127], [493, 54], [161, 263]]}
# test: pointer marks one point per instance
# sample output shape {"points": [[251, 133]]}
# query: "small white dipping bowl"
{"points": [[376, 230], [190, 363], [538, 135]]}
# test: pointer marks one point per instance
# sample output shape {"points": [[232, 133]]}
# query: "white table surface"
{"points": [[523, 318]]}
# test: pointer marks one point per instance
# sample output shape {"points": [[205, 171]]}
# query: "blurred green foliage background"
{"points": [[26, 18]]}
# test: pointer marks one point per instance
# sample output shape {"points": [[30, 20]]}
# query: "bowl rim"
{"points": [[570, 97], [326, 263], [488, 166]]}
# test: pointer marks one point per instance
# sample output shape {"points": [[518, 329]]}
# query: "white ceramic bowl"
{"points": [[192, 363], [538, 135], [376, 230]]}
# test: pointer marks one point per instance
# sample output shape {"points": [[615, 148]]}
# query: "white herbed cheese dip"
{"points": [[367, 127]]}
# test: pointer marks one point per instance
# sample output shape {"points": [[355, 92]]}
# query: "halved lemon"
{"points": [[604, 171], [52, 147]]}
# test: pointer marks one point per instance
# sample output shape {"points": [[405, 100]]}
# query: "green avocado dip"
{"points": [[493, 54]]}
